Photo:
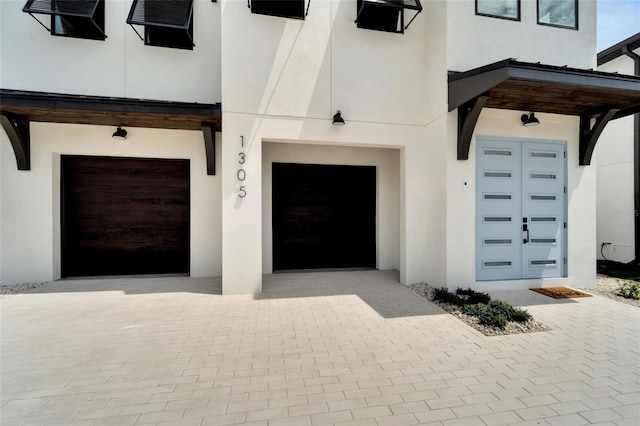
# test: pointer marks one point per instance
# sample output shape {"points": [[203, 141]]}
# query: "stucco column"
{"points": [[241, 207], [415, 207]]}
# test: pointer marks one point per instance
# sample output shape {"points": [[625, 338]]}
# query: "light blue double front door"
{"points": [[520, 209]]}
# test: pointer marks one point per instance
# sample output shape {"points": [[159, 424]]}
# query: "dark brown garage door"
{"points": [[124, 216], [323, 216]]}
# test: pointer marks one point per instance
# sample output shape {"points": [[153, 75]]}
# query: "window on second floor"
{"points": [[558, 13], [385, 15], [71, 18], [167, 23], [505, 9]]}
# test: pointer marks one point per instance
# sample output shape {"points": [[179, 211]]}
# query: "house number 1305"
{"points": [[241, 174]]}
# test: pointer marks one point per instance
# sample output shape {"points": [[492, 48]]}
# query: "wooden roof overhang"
{"points": [[596, 97], [18, 108]]}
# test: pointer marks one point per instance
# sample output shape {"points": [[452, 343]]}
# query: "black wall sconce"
{"points": [[529, 119], [120, 133], [337, 119]]}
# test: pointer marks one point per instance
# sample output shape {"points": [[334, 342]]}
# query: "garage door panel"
{"points": [[125, 216], [323, 216]]}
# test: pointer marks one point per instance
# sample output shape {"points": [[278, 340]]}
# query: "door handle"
{"points": [[525, 228]]}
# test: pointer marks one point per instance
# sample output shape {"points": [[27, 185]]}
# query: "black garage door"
{"points": [[323, 216], [124, 216]]}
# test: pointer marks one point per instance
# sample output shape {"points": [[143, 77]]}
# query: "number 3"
{"points": [[242, 157]]}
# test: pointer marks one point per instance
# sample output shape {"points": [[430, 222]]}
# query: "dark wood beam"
{"points": [[624, 112], [523, 86], [209, 132], [17, 129], [106, 111], [589, 135], [468, 115]]}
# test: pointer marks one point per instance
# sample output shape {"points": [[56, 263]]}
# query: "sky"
{"points": [[617, 20]]}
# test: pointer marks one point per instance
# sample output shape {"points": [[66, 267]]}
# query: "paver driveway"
{"points": [[319, 348]]}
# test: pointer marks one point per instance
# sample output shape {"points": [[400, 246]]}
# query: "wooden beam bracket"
{"points": [[589, 134], [17, 129], [468, 114], [209, 132]]}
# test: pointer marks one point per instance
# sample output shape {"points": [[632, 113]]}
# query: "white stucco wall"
{"points": [[474, 40], [614, 160], [419, 216], [280, 82], [461, 204], [120, 66], [293, 76], [387, 166], [313, 67], [30, 200]]}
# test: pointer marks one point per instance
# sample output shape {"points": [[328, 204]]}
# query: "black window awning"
{"points": [[161, 13], [509, 84], [173, 15], [81, 8], [385, 15], [282, 8], [83, 11]]}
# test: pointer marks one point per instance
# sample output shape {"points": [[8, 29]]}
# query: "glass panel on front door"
{"points": [[521, 183]]}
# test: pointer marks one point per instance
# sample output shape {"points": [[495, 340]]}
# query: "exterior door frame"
{"points": [[477, 221]]}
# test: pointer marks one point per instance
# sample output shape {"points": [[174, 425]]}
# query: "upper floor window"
{"points": [[558, 13], [283, 8], [505, 9], [385, 15], [71, 18], [167, 23]]}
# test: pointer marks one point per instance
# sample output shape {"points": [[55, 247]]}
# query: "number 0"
{"points": [[242, 175]]}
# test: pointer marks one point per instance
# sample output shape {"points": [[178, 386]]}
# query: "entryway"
{"points": [[124, 216], [324, 216], [520, 209]]}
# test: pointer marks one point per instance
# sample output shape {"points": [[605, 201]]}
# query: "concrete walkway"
{"points": [[319, 348]]}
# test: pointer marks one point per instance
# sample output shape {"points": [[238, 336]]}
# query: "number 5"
{"points": [[242, 193]]}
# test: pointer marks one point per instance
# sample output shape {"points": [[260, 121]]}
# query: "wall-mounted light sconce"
{"points": [[337, 119], [529, 119], [120, 133]]}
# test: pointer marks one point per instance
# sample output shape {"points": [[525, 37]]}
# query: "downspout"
{"points": [[636, 161]]}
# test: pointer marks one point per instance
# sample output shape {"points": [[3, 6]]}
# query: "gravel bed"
{"points": [[530, 326], [18, 288], [608, 287]]}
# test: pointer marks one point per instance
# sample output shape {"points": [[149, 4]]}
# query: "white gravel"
{"points": [[18, 288], [605, 287], [608, 287], [530, 326]]}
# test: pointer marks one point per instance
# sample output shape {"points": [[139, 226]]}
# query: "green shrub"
{"points": [[474, 297], [487, 315], [520, 315], [629, 289], [460, 297], [512, 314], [494, 313], [497, 313], [443, 295]]}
